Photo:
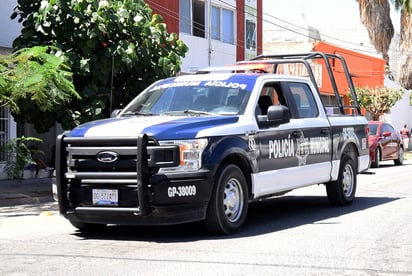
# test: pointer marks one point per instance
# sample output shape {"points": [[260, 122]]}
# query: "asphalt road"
{"points": [[296, 234]]}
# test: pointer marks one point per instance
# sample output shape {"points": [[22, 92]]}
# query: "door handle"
{"points": [[325, 131], [296, 134]]}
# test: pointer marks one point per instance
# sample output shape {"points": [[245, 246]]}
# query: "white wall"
{"points": [[401, 112], [9, 29], [198, 54]]}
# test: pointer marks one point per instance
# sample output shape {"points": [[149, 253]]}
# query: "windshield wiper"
{"points": [[189, 111], [139, 113]]}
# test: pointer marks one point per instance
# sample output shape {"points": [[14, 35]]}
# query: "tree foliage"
{"points": [[115, 48], [404, 5], [34, 78], [378, 100]]}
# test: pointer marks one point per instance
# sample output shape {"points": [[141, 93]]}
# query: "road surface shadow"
{"points": [[387, 165], [264, 217]]}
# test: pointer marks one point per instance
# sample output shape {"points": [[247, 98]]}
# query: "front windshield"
{"points": [[173, 98]]}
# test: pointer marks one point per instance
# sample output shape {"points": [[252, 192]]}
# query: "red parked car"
{"points": [[384, 144]]}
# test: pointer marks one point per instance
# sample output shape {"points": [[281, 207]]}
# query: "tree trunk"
{"points": [[375, 116], [405, 57], [375, 15]]}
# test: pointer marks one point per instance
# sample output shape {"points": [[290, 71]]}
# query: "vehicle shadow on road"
{"points": [[264, 217], [293, 211], [387, 165]]}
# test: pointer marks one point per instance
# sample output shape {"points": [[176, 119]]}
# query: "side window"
{"points": [[270, 95], [305, 103], [386, 127]]}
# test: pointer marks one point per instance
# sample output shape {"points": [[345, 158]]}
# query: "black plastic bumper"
{"points": [[145, 198]]}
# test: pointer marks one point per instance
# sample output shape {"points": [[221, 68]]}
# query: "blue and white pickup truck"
{"points": [[202, 147]]}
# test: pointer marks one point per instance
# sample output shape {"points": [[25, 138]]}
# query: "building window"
{"points": [[193, 20], [185, 18], [223, 31], [198, 18], [228, 26], [215, 24], [192, 17], [4, 130]]}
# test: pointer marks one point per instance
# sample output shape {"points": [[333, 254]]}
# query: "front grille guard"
{"points": [[147, 158]]}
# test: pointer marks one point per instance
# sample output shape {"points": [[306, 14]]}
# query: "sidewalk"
{"points": [[27, 191]]}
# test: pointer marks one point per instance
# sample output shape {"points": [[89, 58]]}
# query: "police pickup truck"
{"points": [[202, 147]]}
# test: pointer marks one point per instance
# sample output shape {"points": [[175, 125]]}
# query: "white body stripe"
{"points": [[363, 163], [335, 169], [126, 128], [271, 182]]}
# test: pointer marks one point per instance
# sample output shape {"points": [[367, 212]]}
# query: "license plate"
{"points": [[105, 197]]}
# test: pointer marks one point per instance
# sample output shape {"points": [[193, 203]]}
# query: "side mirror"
{"points": [[115, 113], [277, 115], [387, 134]]}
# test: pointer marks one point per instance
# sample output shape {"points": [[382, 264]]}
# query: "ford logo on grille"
{"points": [[107, 156]]}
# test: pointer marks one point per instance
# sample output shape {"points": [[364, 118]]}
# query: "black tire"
{"points": [[88, 227], [376, 164], [228, 206], [342, 191], [401, 156]]}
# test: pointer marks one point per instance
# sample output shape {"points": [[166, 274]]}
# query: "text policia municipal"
{"points": [[282, 148]]}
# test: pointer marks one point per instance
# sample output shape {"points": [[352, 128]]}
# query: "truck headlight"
{"points": [[190, 154]]}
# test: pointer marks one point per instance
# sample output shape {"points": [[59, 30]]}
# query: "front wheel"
{"points": [[228, 206], [342, 191]]}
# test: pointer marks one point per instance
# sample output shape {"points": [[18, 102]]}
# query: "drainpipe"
{"points": [[209, 32]]}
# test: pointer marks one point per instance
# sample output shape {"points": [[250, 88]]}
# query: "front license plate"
{"points": [[105, 197]]}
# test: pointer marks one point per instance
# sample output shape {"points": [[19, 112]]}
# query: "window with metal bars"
{"points": [[4, 130]]}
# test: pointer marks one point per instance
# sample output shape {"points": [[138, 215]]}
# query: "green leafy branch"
{"points": [[378, 100], [38, 74]]}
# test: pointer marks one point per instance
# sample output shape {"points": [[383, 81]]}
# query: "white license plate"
{"points": [[106, 197]]}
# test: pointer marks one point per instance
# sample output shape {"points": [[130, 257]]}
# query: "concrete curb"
{"points": [[27, 191], [22, 199]]}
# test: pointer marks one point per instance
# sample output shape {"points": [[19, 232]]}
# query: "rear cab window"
{"points": [[305, 104]]}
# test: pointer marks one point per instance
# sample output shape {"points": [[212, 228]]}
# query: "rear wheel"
{"points": [[228, 206], [342, 191], [399, 161]]}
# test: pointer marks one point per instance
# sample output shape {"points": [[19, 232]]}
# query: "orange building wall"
{"points": [[365, 70]]}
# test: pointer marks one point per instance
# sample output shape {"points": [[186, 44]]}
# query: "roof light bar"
{"points": [[254, 67]]}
